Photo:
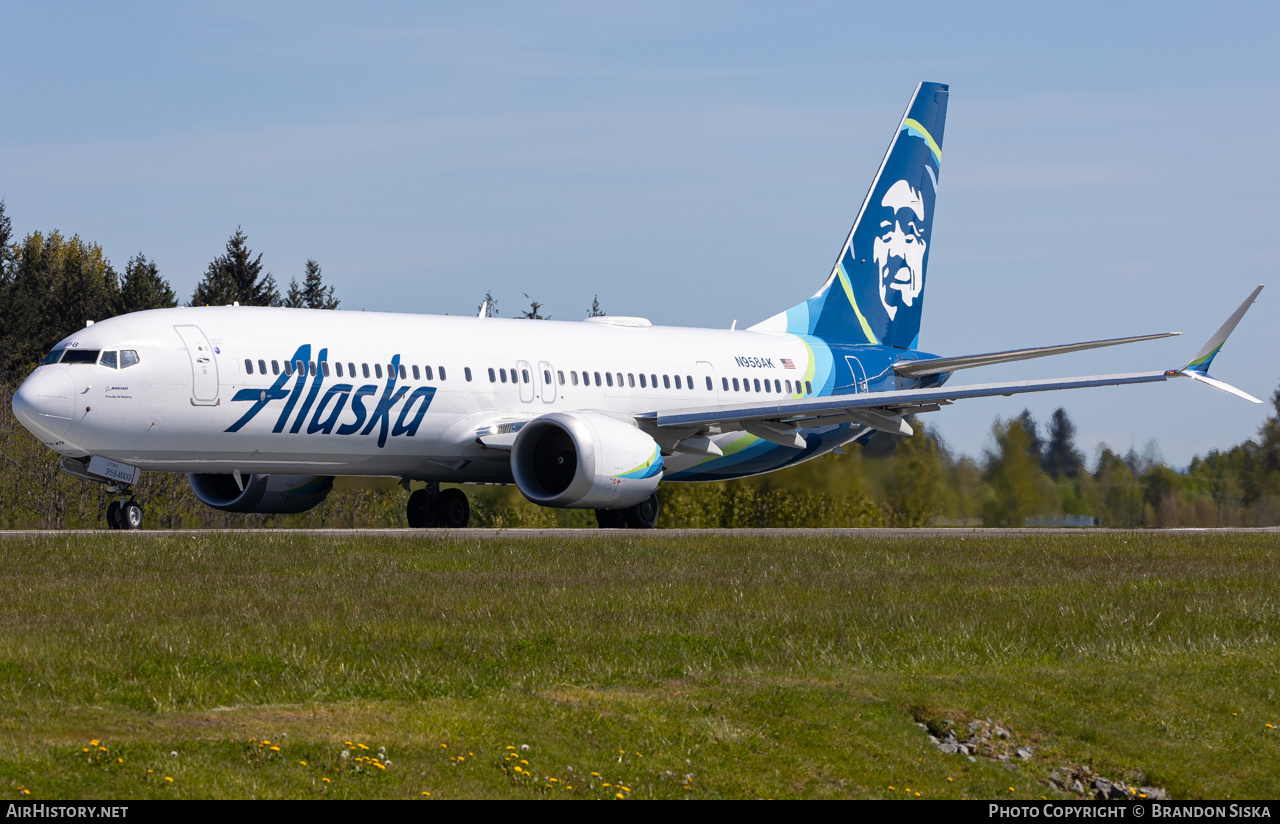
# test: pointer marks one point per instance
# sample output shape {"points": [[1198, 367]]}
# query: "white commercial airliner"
{"points": [[263, 407]]}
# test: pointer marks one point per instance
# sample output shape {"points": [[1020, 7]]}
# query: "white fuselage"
{"points": [[200, 400]]}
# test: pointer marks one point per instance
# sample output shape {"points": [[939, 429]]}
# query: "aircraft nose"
{"points": [[45, 402]]}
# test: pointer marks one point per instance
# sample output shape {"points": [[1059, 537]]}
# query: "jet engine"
{"points": [[262, 494], [585, 460]]}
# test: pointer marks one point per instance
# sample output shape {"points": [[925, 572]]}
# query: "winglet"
{"points": [[1198, 367]]}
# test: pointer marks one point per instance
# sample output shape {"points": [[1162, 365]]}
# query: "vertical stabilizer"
{"points": [[875, 292]]}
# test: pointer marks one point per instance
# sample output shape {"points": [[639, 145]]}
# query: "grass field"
{"points": [[633, 666]]}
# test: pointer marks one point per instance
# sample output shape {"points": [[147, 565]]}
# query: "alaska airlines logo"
{"points": [[329, 407]]}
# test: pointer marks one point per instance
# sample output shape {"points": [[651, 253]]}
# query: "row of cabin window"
{"points": [[500, 375], [773, 385], [310, 367]]}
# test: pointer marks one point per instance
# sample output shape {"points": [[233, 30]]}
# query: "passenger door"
{"points": [[547, 376], [525, 373], [204, 367]]}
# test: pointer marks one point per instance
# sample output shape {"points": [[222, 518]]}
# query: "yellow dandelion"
{"points": [[570, 787], [917, 795], [638, 755], [1011, 789], [948, 780], [891, 787], [510, 747], [275, 749], [1269, 726], [473, 755], [86, 749], [325, 780], [93, 743], [265, 743], [302, 763], [424, 792], [362, 746], [446, 746], [554, 780], [606, 784], [523, 761], [595, 775], [379, 766], [619, 795], [119, 760], [149, 772], [624, 789], [167, 778]]}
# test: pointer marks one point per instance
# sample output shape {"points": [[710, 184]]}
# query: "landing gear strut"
{"points": [[643, 515], [434, 507], [125, 513]]}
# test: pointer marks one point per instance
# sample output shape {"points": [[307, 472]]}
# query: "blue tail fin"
{"points": [[876, 290]]}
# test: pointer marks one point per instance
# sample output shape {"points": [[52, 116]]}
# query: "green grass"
{"points": [[759, 666]]}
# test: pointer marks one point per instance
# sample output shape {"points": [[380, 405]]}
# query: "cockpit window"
{"points": [[128, 357], [81, 356], [55, 355], [108, 359]]}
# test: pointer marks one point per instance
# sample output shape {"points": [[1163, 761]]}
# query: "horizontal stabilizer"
{"points": [[936, 366]]}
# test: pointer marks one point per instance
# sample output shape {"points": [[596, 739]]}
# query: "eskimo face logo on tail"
{"points": [[898, 249], [328, 416]]}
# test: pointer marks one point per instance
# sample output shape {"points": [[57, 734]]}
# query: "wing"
{"points": [[781, 421]]}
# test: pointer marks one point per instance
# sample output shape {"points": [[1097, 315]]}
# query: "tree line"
{"points": [[1032, 473]]}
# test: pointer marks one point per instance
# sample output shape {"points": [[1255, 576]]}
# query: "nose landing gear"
{"points": [[124, 513]]}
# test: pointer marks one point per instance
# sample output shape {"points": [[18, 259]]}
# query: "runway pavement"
{"points": [[926, 532]]}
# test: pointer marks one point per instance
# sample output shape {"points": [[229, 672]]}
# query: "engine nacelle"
{"points": [[585, 460], [262, 494]]}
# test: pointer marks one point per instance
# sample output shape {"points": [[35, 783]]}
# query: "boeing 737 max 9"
{"points": [[263, 407]]}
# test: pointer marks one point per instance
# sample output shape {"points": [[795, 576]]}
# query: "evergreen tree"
{"points": [[55, 285], [596, 311], [294, 298], [534, 312], [314, 293], [143, 288], [6, 252], [236, 276], [1061, 457], [1035, 446]]}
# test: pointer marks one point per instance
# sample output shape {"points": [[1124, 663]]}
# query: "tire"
{"points": [[644, 515], [130, 515], [611, 518], [421, 510], [452, 509], [113, 515]]}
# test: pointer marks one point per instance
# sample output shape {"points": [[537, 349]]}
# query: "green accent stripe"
{"points": [[848, 290], [928, 138]]}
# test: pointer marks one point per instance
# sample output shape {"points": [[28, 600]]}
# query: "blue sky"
{"points": [[1107, 170]]}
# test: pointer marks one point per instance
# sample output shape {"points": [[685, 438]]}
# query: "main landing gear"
{"points": [[643, 515], [125, 513], [436, 507]]}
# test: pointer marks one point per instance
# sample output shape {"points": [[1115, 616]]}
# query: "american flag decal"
{"points": [[787, 364]]}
